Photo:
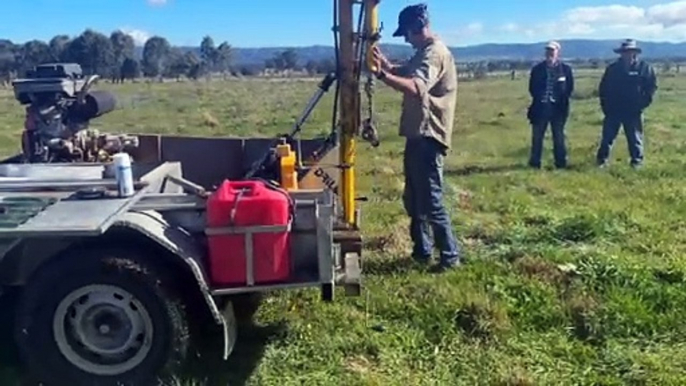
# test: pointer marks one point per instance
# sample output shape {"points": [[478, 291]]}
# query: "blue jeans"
{"points": [[423, 200], [633, 130], [557, 127]]}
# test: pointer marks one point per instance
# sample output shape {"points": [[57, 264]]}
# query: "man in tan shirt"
{"points": [[428, 82]]}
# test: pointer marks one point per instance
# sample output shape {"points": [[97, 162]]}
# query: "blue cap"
{"points": [[412, 16]]}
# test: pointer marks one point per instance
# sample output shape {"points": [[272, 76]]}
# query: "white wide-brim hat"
{"points": [[628, 45]]}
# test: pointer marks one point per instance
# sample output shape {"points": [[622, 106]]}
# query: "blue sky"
{"points": [[303, 22]]}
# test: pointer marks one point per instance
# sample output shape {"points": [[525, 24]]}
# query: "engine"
{"points": [[59, 108]]}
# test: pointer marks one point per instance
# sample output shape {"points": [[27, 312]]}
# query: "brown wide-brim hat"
{"points": [[628, 45]]}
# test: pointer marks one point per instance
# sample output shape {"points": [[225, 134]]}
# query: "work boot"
{"points": [[421, 260], [444, 267]]}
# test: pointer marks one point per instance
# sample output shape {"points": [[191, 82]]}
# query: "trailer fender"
{"points": [[181, 244]]}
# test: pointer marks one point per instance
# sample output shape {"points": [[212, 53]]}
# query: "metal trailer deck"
{"points": [[54, 200]]}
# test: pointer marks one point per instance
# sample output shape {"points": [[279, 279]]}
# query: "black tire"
{"points": [[130, 273]]}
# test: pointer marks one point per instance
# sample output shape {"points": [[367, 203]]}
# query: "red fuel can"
{"points": [[234, 206]]}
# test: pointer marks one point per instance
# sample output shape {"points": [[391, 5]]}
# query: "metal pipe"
{"points": [[61, 185]]}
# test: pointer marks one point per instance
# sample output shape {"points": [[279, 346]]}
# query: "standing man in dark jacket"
{"points": [[551, 84], [626, 90]]}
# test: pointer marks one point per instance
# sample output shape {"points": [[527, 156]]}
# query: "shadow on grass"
{"points": [[390, 266], [252, 341], [469, 170], [476, 169]]}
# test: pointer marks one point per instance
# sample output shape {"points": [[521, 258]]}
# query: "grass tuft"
{"points": [[481, 319]]}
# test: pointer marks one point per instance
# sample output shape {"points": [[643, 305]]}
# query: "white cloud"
{"points": [[139, 36], [604, 14], [475, 28], [157, 2], [662, 21], [510, 27], [463, 33], [668, 14], [580, 29]]}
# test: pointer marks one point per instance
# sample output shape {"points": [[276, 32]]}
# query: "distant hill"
{"points": [[571, 49]]}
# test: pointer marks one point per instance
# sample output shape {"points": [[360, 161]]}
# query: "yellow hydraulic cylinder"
{"points": [[371, 28], [350, 118], [349, 109]]}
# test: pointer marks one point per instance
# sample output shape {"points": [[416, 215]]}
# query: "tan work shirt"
{"points": [[433, 71]]}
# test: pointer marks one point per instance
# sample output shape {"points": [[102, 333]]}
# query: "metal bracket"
{"points": [[194, 188], [248, 233], [352, 280]]}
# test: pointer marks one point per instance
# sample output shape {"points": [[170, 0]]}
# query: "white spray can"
{"points": [[124, 175]]}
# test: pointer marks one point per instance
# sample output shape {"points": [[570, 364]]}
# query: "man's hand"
{"points": [[380, 60]]}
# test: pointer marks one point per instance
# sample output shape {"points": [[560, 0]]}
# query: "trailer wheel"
{"points": [[101, 316]]}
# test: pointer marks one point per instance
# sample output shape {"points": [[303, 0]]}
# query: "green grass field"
{"points": [[573, 277]]}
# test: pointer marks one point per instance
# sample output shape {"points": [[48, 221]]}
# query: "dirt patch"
{"points": [[517, 377], [483, 236], [540, 269], [383, 170], [462, 197], [209, 120], [359, 364], [395, 241], [482, 320], [583, 309]]}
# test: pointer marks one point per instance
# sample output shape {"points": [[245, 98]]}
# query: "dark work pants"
{"points": [[557, 127], [633, 130], [423, 201]]}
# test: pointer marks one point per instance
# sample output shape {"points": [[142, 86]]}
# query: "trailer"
{"points": [[113, 286]]}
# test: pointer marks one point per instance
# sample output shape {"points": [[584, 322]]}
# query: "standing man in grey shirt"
{"points": [[428, 82]]}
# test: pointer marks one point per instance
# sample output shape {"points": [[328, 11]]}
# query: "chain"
{"points": [[369, 90], [369, 132]]}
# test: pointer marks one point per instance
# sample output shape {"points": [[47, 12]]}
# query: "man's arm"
{"points": [[650, 85], [419, 81], [604, 83], [651, 81], [400, 83], [532, 83], [570, 81]]}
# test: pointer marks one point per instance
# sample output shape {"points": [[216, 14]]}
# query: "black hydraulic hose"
{"points": [[334, 116], [323, 87], [360, 42]]}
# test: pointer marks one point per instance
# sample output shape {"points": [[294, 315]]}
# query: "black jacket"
{"points": [[562, 89], [627, 90]]}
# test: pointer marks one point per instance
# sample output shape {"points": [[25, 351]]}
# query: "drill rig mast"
{"points": [[353, 47], [354, 40], [350, 45]]}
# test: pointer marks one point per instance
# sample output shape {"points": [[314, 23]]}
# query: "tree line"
{"points": [[114, 56]]}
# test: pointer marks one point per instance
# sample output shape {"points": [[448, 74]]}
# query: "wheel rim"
{"points": [[103, 330]]}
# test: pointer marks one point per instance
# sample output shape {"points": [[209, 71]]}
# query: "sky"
{"points": [[260, 23]]}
